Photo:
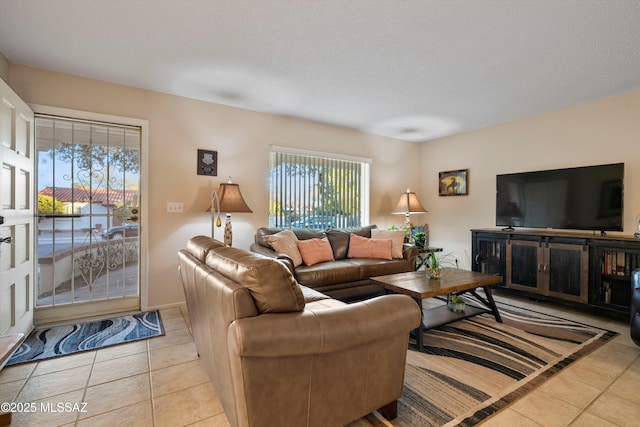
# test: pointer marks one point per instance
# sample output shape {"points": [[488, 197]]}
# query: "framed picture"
{"points": [[454, 183], [207, 162]]}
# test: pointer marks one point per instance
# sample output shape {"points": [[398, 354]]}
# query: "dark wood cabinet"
{"points": [[580, 268]]}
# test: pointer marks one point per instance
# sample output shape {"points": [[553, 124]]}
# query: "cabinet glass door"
{"points": [[524, 260], [568, 267]]}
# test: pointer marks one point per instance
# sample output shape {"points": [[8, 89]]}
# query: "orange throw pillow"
{"points": [[314, 251], [363, 247]]}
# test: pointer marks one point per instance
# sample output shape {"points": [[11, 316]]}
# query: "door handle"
{"points": [[5, 240]]}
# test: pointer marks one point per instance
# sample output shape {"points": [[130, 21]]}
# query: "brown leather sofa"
{"points": [[635, 306], [281, 354], [345, 278]]}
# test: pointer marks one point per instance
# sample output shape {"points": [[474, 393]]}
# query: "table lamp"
{"points": [[407, 205]]}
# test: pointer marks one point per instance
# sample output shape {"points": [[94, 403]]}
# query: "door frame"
{"points": [[41, 314]]}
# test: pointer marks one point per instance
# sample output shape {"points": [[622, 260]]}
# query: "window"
{"points": [[317, 190]]}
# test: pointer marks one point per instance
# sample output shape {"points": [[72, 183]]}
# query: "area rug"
{"points": [[48, 342], [473, 368]]}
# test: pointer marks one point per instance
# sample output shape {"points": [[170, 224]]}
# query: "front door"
{"points": [[17, 274], [88, 217]]}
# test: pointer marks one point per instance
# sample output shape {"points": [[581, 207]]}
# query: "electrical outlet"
{"points": [[174, 207]]}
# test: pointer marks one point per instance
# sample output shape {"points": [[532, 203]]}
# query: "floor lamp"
{"points": [[227, 199]]}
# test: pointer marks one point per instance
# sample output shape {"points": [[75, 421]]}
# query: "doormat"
{"points": [[47, 342], [475, 367]]}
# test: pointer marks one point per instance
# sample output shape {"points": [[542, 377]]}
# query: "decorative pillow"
{"points": [[362, 247], [286, 242], [339, 238], [314, 251], [270, 283], [397, 240]]}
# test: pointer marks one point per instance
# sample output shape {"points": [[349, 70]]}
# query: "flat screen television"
{"points": [[581, 198]]}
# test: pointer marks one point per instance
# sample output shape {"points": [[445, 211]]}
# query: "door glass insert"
{"points": [[88, 222]]}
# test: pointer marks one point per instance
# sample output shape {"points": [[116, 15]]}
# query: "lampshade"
{"points": [[231, 199], [409, 204]]}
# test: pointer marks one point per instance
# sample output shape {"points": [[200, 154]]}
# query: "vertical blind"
{"points": [[317, 190]]}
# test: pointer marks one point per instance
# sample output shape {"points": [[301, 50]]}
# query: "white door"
{"points": [[17, 277]]}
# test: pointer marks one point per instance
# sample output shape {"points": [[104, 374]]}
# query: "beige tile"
{"points": [[571, 390], [615, 356], [622, 412], [215, 421], [170, 313], [53, 411], [9, 391], [17, 372], [545, 409], [172, 337], [186, 406], [173, 323], [509, 418], [178, 377], [117, 394], [121, 350], [55, 383], [64, 362], [587, 420], [589, 373], [137, 415], [116, 369], [174, 355]]}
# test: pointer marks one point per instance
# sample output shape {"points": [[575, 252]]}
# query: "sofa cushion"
{"points": [[363, 247], [286, 242], [328, 273], [397, 240], [270, 283], [315, 251], [199, 246], [339, 239]]}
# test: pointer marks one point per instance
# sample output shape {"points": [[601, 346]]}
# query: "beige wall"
{"points": [[600, 132], [4, 68], [179, 126]]}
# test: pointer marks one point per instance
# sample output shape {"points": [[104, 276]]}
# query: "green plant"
{"points": [[436, 260], [420, 239], [456, 299]]}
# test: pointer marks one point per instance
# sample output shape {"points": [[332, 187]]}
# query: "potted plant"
{"points": [[420, 239], [433, 263], [455, 303]]}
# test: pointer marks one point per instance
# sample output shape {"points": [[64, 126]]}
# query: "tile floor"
{"points": [[159, 382]]}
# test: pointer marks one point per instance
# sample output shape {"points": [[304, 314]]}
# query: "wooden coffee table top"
{"points": [[416, 284]]}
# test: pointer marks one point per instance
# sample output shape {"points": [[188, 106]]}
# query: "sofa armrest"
{"points": [[409, 252], [262, 250], [324, 331]]}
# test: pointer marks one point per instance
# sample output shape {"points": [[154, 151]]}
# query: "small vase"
{"points": [[456, 307], [434, 273]]}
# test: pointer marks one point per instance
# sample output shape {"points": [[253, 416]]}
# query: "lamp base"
{"points": [[228, 234]]}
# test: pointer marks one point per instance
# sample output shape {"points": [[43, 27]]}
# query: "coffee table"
{"points": [[418, 286]]}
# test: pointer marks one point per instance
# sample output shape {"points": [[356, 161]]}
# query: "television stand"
{"points": [[603, 233], [509, 228]]}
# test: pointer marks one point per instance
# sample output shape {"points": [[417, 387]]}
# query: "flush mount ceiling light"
{"points": [[416, 128]]}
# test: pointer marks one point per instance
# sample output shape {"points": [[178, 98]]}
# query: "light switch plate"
{"points": [[174, 207]]}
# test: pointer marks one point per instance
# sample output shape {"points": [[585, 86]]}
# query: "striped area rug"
{"points": [[47, 342], [475, 367]]}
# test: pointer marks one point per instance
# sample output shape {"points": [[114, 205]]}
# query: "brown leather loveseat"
{"points": [[343, 278], [280, 354]]}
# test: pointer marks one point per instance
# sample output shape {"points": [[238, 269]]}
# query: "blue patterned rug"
{"points": [[45, 343]]}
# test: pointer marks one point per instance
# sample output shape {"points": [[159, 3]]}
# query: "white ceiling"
{"points": [[414, 70]]}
